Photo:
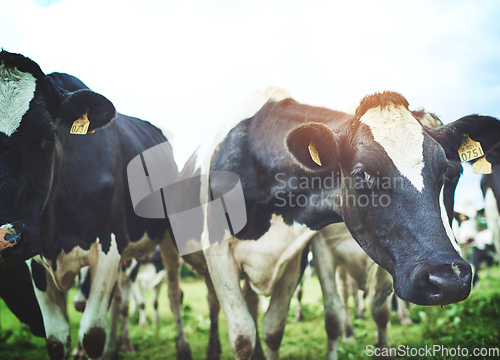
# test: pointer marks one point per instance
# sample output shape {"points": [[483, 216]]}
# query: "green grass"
{"points": [[473, 323]]}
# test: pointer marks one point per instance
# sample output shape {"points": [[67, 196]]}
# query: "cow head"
{"points": [[34, 114], [391, 173]]}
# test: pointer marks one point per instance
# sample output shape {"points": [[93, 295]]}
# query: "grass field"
{"points": [[473, 323]]}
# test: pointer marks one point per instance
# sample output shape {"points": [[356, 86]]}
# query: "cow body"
{"points": [[270, 152], [66, 195]]}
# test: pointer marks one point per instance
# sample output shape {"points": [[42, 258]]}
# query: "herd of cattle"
{"points": [[312, 179]]}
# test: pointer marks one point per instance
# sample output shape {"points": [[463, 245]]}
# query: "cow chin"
{"points": [[439, 283]]}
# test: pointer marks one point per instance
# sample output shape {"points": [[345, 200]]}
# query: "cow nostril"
{"points": [[435, 285], [12, 236]]}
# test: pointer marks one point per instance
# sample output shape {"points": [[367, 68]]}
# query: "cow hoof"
{"points": [[126, 347], [110, 355], [183, 350], [56, 349], [93, 342], [213, 351]]}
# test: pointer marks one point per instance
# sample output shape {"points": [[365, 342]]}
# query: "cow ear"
{"points": [[313, 146], [483, 129], [100, 111]]}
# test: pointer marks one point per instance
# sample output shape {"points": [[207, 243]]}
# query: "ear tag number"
{"points": [[80, 126], [482, 166], [470, 150], [314, 153]]}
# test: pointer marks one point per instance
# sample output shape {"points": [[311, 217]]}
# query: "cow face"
{"points": [[392, 175], [34, 115]]}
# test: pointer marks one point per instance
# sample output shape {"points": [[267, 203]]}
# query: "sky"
{"points": [[187, 65]]}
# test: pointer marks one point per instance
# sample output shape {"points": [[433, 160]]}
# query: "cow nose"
{"points": [[446, 283]]}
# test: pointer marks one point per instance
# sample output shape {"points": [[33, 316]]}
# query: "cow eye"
{"points": [[48, 140], [361, 175]]}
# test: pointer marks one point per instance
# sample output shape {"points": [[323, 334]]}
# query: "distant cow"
{"points": [[302, 168], [490, 186], [148, 275], [65, 195]]}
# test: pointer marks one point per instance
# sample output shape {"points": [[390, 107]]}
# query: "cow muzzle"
{"points": [[8, 236], [439, 283]]}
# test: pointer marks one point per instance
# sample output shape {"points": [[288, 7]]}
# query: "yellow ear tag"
{"points": [[470, 149], [482, 166], [80, 126], [314, 153]]}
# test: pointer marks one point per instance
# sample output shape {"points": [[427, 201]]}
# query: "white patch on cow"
{"points": [[17, 89], [402, 138], [52, 304], [104, 268], [265, 260], [446, 222]]}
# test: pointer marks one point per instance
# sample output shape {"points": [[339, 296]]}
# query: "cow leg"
{"points": [[359, 302], [299, 315], [334, 309], [124, 341], [274, 321], [381, 306], [252, 300], [403, 312], [104, 273], [110, 349], [172, 264], [213, 350], [156, 292], [52, 303], [346, 291], [225, 275], [140, 302]]}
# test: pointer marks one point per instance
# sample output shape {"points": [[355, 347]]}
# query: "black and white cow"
{"points": [[66, 197], [302, 168], [334, 248]]}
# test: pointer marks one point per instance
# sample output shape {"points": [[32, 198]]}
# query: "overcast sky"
{"points": [[185, 65]]}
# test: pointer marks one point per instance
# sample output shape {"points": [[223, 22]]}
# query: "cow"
{"points": [[334, 247], [483, 250], [65, 196], [303, 167], [147, 276]]}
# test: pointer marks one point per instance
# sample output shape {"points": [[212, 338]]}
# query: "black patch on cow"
{"points": [[85, 283], [39, 275], [382, 100], [16, 289], [22, 63]]}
